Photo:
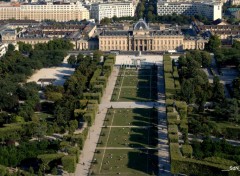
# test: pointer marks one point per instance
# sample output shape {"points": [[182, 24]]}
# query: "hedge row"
{"points": [[3, 170], [171, 78], [47, 158], [187, 151], [191, 166], [173, 129], [69, 163], [92, 96], [87, 110], [169, 109], [172, 115], [173, 138], [217, 160]]}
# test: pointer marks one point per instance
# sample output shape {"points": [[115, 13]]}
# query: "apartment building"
{"points": [[109, 10], [59, 11], [210, 10]]}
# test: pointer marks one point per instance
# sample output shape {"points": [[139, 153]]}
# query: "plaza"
{"points": [[137, 78], [53, 75]]}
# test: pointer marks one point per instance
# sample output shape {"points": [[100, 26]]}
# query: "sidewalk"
{"points": [[163, 151], [95, 130]]}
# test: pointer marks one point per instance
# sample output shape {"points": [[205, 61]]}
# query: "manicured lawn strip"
{"points": [[126, 162], [138, 81], [135, 94]]}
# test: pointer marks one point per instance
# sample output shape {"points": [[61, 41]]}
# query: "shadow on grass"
{"points": [[144, 161]]}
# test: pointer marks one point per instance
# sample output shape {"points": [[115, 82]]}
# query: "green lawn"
{"points": [[131, 117], [42, 116], [137, 94], [126, 162], [136, 72], [119, 134], [136, 81], [133, 85]]}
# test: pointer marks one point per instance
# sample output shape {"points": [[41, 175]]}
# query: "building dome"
{"points": [[141, 25]]}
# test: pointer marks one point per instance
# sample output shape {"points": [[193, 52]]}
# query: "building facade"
{"points": [[224, 31], [44, 11], [109, 10], [210, 10], [235, 2], [142, 38]]}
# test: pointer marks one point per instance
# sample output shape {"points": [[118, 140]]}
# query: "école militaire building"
{"points": [[143, 38]]}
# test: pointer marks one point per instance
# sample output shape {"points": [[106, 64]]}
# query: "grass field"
{"points": [[128, 162], [133, 85], [127, 143], [131, 117]]}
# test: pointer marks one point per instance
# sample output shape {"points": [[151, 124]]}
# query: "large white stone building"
{"points": [[59, 11], [210, 10], [109, 10]]}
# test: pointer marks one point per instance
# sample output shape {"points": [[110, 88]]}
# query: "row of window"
{"points": [[119, 42], [160, 48]]}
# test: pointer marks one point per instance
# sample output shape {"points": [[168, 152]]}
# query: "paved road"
{"points": [[132, 104]]}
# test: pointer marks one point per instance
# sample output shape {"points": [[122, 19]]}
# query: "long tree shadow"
{"points": [[140, 86], [144, 160]]}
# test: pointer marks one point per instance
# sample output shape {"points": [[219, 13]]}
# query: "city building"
{"points": [[14, 24], [235, 2], [143, 38], [109, 10], [225, 31], [233, 13], [58, 11], [82, 34], [210, 10]]}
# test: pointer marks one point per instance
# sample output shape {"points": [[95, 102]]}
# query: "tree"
{"points": [[218, 90], [233, 110], [80, 58], [188, 91], [236, 88], [11, 47], [206, 59], [213, 44], [150, 16], [182, 60], [73, 124], [24, 48], [54, 171], [114, 18], [97, 54], [105, 21], [31, 171], [72, 60]]}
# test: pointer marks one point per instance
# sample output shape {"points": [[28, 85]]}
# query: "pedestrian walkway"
{"points": [[163, 146], [95, 130]]}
